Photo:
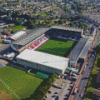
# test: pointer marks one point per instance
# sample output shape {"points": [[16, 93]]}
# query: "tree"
{"points": [[55, 22], [12, 32], [60, 21], [71, 24], [74, 7], [67, 16], [31, 24], [80, 16]]}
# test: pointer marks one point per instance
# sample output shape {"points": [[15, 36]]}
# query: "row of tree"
{"points": [[93, 77]]}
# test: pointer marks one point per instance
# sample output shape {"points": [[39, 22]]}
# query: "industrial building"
{"points": [[43, 61]]}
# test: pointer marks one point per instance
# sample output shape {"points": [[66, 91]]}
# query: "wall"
{"points": [[40, 67]]}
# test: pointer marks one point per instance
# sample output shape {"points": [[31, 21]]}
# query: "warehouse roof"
{"points": [[17, 35], [30, 36], [86, 48], [44, 59], [77, 49]]}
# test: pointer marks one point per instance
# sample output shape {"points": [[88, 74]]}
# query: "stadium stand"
{"points": [[28, 39], [39, 43], [31, 36], [67, 28], [86, 48], [43, 61], [54, 32], [75, 53]]}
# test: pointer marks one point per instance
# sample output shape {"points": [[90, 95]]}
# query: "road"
{"points": [[84, 79], [85, 76]]}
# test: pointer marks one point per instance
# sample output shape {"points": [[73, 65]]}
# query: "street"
{"points": [[85, 76], [84, 79]]}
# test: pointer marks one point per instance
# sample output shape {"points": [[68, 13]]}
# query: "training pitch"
{"points": [[57, 47], [18, 81]]}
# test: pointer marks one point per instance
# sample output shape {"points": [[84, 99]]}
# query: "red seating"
{"points": [[39, 42]]}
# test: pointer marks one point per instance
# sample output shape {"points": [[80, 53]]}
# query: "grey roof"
{"points": [[86, 49], [77, 49], [67, 28], [30, 36]]}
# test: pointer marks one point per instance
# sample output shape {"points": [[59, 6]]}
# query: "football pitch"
{"points": [[57, 47], [22, 84]]}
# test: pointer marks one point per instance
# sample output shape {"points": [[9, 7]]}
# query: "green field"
{"points": [[20, 27], [57, 47], [21, 83], [44, 14], [55, 7]]}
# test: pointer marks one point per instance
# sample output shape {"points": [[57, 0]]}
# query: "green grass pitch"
{"points": [[57, 47], [21, 83]]}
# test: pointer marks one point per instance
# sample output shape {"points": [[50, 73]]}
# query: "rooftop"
{"points": [[30, 36], [17, 35], [96, 92], [98, 77], [44, 59], [86, 48], [78, 49], [67, 28]]}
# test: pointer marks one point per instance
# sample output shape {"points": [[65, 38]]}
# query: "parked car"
{"points": [[49, 92], [81, 95], [54, 96], [75, 91], [56, 93], [78, 90], [74, 74], [46, 96], [57, 98]]}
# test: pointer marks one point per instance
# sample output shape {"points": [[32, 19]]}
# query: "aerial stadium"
{"points": [[50, 49]]}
